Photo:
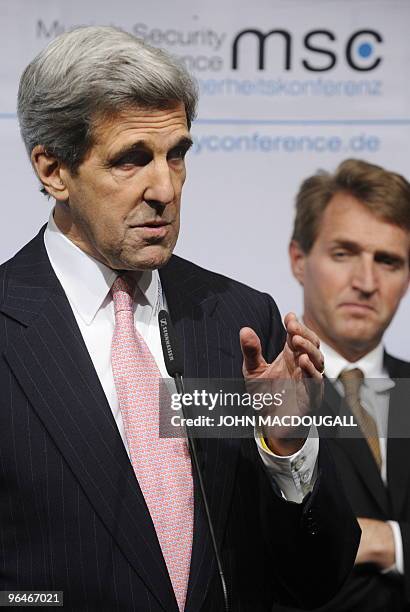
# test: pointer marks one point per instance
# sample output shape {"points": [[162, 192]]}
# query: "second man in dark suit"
{"points": [[350, 252]]}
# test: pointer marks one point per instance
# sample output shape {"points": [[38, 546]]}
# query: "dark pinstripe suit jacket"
{"points": [[367, 590], [72, 516]]}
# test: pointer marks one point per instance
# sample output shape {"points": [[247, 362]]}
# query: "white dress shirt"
{"points": [[87, 283], [374, 397]]}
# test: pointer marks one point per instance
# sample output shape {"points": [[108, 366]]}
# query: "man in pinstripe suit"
{"points": [[106, 121]]}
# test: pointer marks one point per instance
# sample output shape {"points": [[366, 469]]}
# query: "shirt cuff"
{"points": [[294, 474], [398, 565]]}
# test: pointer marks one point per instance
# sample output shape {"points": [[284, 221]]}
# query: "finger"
{"points": [[290, 321], [296, 327], [303, 346], [289, 317], [251, 350], [308, 368]]}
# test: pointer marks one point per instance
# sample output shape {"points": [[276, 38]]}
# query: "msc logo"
{"points": [[359, 50]]}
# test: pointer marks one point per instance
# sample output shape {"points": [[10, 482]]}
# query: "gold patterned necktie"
{"points": [[352, 381]]}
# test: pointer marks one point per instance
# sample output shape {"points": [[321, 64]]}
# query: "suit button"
{"points": [[311, 525]]}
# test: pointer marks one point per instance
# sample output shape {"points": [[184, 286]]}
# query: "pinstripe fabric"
{"points": [[72, 515]]}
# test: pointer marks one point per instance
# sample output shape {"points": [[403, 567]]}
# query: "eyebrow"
{"points": [[379, 254], [141, 145]]}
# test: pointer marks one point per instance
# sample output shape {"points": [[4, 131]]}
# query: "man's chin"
{"points": [[153, 258], [360, 339]]}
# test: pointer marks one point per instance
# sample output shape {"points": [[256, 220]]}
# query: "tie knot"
{"points": [[352, 381], [122, 292]]}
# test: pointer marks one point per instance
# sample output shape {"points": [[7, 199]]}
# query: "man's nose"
{"points": [[160, 188], [365, 275]]}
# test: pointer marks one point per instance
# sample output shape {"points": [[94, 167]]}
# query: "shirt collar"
{"points": [[85, 280], [371, 365]]}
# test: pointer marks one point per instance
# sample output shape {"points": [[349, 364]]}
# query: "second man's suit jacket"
{"points": [[72, 515], [367, 589]]}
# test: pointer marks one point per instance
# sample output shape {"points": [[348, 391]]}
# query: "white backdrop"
{"points": [[330, 82]]}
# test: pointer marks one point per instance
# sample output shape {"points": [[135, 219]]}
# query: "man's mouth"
{"points": [[357, 307], [153, 229], [160, 223]]}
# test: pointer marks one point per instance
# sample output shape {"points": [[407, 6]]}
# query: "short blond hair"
{"points": [[384, 193]]}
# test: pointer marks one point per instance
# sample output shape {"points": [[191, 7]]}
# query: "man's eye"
{"points": [[389, 262], [178, 153], [339, 255], [137, 158]]}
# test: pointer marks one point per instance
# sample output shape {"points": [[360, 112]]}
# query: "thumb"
{"points": [[253, 361]]}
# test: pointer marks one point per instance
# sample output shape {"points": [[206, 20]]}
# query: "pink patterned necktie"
{"points": [[161, 465]]}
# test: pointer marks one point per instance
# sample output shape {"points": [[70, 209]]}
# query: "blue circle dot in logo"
{"points": [[365, 50]]}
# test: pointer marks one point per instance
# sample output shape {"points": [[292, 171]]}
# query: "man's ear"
{"points": [[48, 170], [297, 261]]}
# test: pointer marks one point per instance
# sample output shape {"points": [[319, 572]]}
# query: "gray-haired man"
{"points": [[93, 503]]}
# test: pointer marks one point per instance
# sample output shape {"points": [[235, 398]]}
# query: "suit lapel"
{"points": [[51, 363], [356, 449], [398, 464], [209, 352]]}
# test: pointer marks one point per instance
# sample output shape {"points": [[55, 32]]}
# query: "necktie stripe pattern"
{"points": [[352, 381], [161, 465]]}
